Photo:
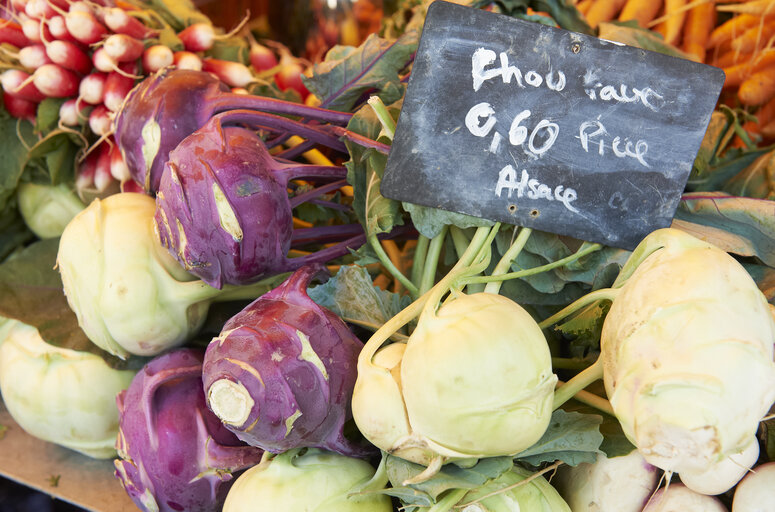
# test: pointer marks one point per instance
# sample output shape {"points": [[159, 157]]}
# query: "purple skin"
{"points": [[180, 102], [174, 452], [293, 403], [223, 210]]}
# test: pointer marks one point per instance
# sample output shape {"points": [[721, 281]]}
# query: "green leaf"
{"points": [[376, 213], [571, 437], [14, 233], [169, 38], [269, 89], [585, 328], [755, 181], [430, 221], [765, 280], [348, 74], [738, 225], [234, 49], [451, 476], [564, 14], [14, 153], [31, 292], [48, 114], [615, 443], [351, 294], [629, 33], [409, 497], [178, 13]]}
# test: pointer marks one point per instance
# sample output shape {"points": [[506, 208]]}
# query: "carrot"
{"points": [[584, 5], [756, 7], [675, 14], [730, 58], [766, 114], [737, 73], [732, 28], [699, 23], [768, 130], [755, 37], [759, 88], [603, 10], [643, 11]]}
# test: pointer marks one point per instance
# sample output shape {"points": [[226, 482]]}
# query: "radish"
{"points": [[100, 122], [55, 81], [261, 57], [157, 57], [33, 56], [187, 60], [13, 34], [239, 90], [289, 75], [20, 108], [32, 29], [39, 9], [70, 56], [92, 88], [84, 179], [17, 83], [102, 168], [200, 37], [71, 113], [756, 491], [117, 87], [230, 73], [84, 27], [123, 48], [118, 168], [56, 25], [117, 20]]}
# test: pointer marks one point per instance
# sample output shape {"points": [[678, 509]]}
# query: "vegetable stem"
{"points": [[591, 297], [567, 363], [388, 125], [449, 500], [592, 400], [420, 253], [505, 262], [577, 383], [388, 264], [432, 261]]}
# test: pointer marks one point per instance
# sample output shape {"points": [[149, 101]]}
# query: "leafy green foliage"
{"points": [[756, 180], [234, 49], [14, 153], [270, 89], [584, 328], [430, 221], [571, 437], [48, 114], [177, 13], [348, 75], [765, 279], [615, 443], [564, 14], [14, 233]]}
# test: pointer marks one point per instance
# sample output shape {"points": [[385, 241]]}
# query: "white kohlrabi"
{"points": [[46, 209], [679, 498], [756, 491], [60, 395]]}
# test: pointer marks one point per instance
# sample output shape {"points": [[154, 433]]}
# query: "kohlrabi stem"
{"points": [[328, 253], [593, 400], [460, 242], [412, 310], [505, 262], [359, 139], [537, 270], [449, 500], [197, 291], [567, 363], [432, 260], [324, 234], [260, 103], [577, 383], [418, 261], [388, 125], [388, 264], [316, 192], [586, 300], [277, 123], [331, 172]]}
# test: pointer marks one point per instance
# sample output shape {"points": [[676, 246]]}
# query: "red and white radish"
{"points": [[157, 57], [187, 60], [70, 56], [92, 88], [117, 86], [231, 73], [102, 171], [17, 83], [84, 27], [56, 25], [261, 57], [55, 81], [100, 121], [120, 22], [118, 167], [33, 56], [20, 108], [289, 75], [123, 48], [73, 113], [13, 34]]}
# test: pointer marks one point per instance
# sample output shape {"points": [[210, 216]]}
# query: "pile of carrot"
{"points": [[735, 35]]}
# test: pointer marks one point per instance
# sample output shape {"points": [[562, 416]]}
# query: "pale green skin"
{"points": [[687, 353], [474, 380], [46, 209], [537, 495], [129, 294], [316, 481], [59, 395]]}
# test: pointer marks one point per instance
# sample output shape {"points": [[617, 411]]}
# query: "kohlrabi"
{"points": [[62, 396], [679, 498], [168, 106], [129, 294], [687, 358], [307, 480], [616, 484], [756, 491], [474, 379], [175, 455], [281, 373], [223, 209], [46, 209]]}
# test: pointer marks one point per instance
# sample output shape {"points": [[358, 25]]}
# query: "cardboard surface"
{"points": [[85, 482]]}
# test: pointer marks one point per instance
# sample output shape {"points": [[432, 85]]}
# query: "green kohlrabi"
{"points": [[60, 395], [46, 209]]}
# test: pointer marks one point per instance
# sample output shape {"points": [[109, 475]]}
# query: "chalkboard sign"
{"points": [[537, 126]]}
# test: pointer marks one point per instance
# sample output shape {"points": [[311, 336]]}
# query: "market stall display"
{"points": [[194, 226]]}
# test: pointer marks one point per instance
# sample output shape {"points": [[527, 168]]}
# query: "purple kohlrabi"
{"points": [[169, 105], [223, 209], [175, 454], [282, 371]]}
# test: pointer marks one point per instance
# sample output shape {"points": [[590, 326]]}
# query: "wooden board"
{"points": [[85, 482]]}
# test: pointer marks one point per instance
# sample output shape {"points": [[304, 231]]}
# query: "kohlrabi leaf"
{"points": [[352, 295], [14, 233], [571, 437], [584, 328], [406, 16], [631, 34], [349, 75], [756, 181], [408, 496], [615, 443], [31, 292], [566, 16], [430, 221], [765, 279], [14, 153], [376, 213], [449, 477], [738, 225]]}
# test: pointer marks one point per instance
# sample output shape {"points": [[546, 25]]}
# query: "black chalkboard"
{"points": [[589, 138]]}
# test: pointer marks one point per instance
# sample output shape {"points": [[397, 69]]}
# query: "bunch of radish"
{"points": [[93, 53]]}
